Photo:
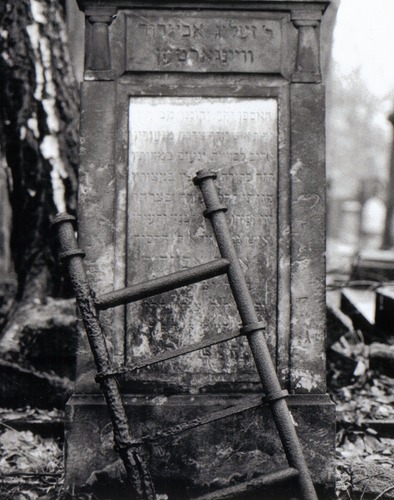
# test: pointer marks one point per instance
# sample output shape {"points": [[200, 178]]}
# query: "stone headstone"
{"points": [[169, 90]]}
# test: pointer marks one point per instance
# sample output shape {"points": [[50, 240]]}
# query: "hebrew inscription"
{"points": [[202, 43], [170, 139]]}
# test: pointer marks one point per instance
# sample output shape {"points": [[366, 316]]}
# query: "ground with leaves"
{"points": [[365, 459], [31, 466]]}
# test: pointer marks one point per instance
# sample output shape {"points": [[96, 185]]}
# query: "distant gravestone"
{"points": [[168, 91], [350, 222], [373, 216]]}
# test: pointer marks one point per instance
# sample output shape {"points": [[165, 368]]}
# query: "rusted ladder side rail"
{"points": [[258, 484], [163, 284], [254, 329], [175, 353], [138, 475], [180, 428], [167, 355]]}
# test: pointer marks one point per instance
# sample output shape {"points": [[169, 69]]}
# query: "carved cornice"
{"points": [[207, 4], [107, 56]]}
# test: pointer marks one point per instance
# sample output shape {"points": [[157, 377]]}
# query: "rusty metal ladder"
{"points": [[131, 450]]}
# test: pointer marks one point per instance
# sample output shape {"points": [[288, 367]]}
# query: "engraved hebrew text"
{"points": [[202, 42], [170, 139]]}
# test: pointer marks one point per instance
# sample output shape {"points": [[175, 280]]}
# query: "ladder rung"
{"points": [[249, 404], [165, 356], [164, 284], [268, 480]]}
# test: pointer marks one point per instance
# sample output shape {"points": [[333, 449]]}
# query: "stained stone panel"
{"points": [[170, 139], [203, 42]]}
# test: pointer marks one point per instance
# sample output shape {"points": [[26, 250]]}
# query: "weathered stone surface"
{"points": [[170, 139], [359, 305], [338, 324], [307, 349], [363, 306], [20, 387], [8, 289], [381, 358], [5, 225], [384, 311], [240, 447], [340, 367], [372, 481], [204, 41], [97, 188], [43, 336], [152, 116], [110, 481], [307, 195], [375, 265]]}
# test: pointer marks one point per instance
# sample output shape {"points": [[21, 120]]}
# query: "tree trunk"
{"points": [[38, 134]]}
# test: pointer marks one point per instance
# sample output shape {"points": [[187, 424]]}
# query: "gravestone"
{"points": [[168, 90]]}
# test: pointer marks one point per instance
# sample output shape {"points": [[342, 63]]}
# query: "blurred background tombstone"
{"points": [[373, 217]]}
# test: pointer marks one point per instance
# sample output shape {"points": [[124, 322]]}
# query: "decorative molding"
{"points": [[278, 5], [307, 68], [97, 43]]}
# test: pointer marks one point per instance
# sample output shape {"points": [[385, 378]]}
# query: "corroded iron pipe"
{"points": [[254, 486], [163, 284], [137, 471], [216, 213]]}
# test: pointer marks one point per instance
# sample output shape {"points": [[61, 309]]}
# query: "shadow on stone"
{"points": [[20, 387]]}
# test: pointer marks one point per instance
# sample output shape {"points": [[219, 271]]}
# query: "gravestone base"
{"points": [[212, 456]]}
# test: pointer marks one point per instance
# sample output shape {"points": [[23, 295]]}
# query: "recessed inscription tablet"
{"points": [[203, 42], [170, 139]]}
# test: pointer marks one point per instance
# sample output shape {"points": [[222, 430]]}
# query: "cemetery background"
{"points": [[27, 249]]}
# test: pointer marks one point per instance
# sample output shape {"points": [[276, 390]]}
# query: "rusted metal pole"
{"points": [[163, 284], [256, 485], [254, 329], [137, 471]]}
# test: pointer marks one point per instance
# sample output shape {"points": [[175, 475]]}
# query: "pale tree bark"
{"points": [[38, 134]]}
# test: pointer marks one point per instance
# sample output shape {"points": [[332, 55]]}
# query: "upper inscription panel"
{"points": [[203, 42]]}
